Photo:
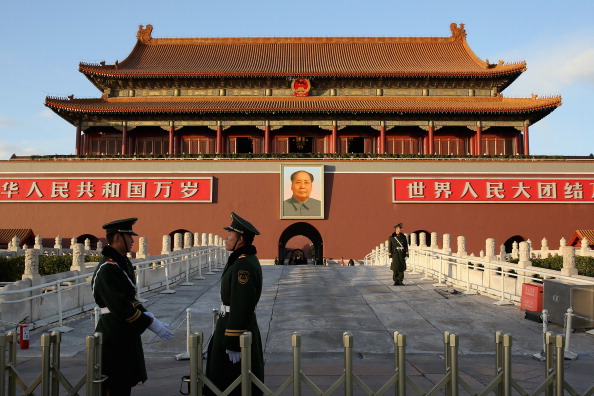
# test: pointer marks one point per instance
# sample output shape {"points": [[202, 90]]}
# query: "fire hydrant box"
{"points": [[531, 297]]}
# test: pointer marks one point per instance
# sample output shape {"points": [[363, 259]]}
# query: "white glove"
{"points": [[160, 329], [149, 314], [234, 357]]}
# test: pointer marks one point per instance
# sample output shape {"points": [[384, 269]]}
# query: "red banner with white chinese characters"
{"points": [[106, 190], [467, 190]]}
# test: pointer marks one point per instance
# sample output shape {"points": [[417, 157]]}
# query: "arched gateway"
{"points": [[308, 231]]}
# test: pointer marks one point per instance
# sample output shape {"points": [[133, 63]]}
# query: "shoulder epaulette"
{"points": [[110, 261], [242, 256]]}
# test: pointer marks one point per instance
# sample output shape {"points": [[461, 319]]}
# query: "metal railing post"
{"points": [[296, 343], [245, 343], [347, 339], [168, 264], [549, 362], [499, 360], [97, 314], [507, 369], [453, 364], [195, 343], [559, 374], [45, 364], [12, 360], [568, 328], [90, 342], [199, 255], [209, 260], [401, 364], [56, 339], [186, 355], [447, 358], [3, 340]]}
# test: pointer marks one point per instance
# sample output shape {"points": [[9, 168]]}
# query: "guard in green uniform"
{"points": [[241, 286], [398, 251], [123, 318]]}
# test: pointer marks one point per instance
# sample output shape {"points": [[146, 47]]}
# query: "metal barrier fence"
{"points": [[153, 273], [50, 379], [451, 384]]}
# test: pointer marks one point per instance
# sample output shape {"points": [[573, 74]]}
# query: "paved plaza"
{"points": [[323, 302]]}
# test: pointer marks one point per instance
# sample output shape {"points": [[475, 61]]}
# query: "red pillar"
{"points": [[526, 141], [85, 143], [430, 143], [382, 140], [77, 150], [479, 146], [170, 149], [266, 139], [125, 139], [333, 144], [219, 145]]}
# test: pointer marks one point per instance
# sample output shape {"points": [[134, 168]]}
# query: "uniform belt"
{"points": [[400, 248], [225, 309], [105, 310]]}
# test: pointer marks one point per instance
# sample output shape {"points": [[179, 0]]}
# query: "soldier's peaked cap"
{"points": [[241, 225], [123, 226], [399, 225]]}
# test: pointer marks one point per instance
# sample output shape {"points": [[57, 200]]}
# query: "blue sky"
{"points": [[43, 42]]}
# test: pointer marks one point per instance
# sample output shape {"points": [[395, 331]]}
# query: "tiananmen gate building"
{"points": [[395, 129]]}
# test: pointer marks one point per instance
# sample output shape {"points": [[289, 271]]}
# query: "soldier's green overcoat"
{"points": [[114, 287], [241, 286], [398, 251]]}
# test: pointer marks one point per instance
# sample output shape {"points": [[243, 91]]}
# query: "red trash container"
{"points": [[532, 294]]}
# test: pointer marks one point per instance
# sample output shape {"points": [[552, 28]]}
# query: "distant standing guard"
{"points": [[241, 286], [398, 251], [123, 318]]}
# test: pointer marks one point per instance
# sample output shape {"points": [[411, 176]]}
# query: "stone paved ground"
{"points": [[323, 302]]}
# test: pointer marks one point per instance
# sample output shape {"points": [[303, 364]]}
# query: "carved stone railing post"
{"points": [[413, 239], [422, 240], [515, 250], [38, 243], [32, 266], [434, 241], [142, 248], [78, 258], [58, 244], [461, 246], [196, 239], [490, 249], [16, 242], [447, 248], [204, 239], [569, 268], [177, 241], [544, 248], [99, 246], [166, 245], [585, 248], [211, 240], [524, 260], [187, 240], [502, 253], [562, 244], [87, 244]]}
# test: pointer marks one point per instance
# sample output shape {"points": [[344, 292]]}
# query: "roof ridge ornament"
{"points": [[458, 32], [144, 34]]}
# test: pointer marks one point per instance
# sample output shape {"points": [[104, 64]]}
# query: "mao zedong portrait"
{"points": [[300, 204]]}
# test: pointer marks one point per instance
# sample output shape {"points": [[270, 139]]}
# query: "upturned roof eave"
{"points": [[90, 73]]}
